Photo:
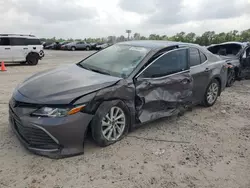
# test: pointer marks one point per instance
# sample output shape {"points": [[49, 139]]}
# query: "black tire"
{"points": [[87, 48], [96, 124], [231, 77], [32, 59], [73, 48], [206, 101]]}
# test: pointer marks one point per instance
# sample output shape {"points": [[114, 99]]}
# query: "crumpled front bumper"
{"points": [[51, 137]]}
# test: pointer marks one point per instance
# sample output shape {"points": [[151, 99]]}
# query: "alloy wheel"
{"points": [[212, 93], [113, 124]]}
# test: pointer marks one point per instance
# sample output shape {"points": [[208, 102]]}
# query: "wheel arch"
{"points": [[108, 104], [220, 82], [32, 53]]}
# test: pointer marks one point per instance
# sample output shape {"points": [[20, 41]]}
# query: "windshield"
{"points": [[117, 60]]}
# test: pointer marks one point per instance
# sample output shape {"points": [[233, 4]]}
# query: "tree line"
{"points": [[207, 38]]}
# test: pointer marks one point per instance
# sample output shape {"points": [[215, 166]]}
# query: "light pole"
{"points": [[128, 31]]}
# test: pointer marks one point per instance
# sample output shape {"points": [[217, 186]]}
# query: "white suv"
{"points": [[20, 48]]}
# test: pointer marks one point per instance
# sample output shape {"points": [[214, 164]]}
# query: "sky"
{"points": [[102, 18]]}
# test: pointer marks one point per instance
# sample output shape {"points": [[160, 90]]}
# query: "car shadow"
{"points": [[15, 65], [89, 143]]}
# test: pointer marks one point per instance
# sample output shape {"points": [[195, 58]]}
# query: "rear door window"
{"points": [[170, 63], [5, 41], [194, 57], [17, 41], [33, 42], [203, 57]]}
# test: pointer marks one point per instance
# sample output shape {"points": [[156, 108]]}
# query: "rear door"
{"points": [[5, 49], [81, 45], [18, 47], [199, 72], [164, 87]]}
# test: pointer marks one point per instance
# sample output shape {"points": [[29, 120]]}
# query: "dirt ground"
{"points": [[207, 147]]}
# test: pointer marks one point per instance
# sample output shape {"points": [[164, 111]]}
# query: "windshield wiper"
{"points": [[98, 71], [80, 65], [94, 70]]}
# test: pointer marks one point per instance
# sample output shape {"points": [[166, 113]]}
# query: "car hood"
{"points": [[62, 85]]}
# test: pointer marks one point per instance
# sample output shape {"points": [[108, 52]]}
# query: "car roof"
{"points": [[230, 42], [18, 36], [155, 44]]}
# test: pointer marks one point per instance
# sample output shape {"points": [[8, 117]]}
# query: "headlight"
{"points": [[57, 112]]}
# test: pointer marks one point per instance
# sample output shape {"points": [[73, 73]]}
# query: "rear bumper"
{"points": [[51, 137]]}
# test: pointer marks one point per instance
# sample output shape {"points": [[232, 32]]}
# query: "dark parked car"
{"points": [[58, 45], [237, 56], [77, 46], [48, 45], [111, 92]]}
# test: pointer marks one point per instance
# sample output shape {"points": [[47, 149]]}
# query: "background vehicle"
{"points": [[233, 53], [112, 91], [20, 48], [101, 46], [58, 45], [48, 45], [77, 46]]}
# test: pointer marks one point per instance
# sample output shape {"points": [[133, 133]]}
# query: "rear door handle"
{"points": [[25, 48], [7, 48], [34, 48], [185, 81], [207, 70]]}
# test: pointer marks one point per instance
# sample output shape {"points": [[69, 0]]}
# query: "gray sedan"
{"points": [[112, 92], [82, 45]]}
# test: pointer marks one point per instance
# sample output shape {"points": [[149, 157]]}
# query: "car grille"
{"points": [[33, 136]]}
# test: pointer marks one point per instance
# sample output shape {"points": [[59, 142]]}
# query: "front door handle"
{"points": [[25, 48], [7, 48]]}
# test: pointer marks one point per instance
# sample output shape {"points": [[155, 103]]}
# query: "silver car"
{"points": [[82, 45]]}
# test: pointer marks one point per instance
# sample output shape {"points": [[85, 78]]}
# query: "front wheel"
{"points": [[110, 124], [212, 93], [87, 48], [73, 48]]}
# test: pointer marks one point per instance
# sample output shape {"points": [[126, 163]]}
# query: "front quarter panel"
{"points": [[123, 90]]}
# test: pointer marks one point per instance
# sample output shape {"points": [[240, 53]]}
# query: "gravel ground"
{"points": [[207, 147]]}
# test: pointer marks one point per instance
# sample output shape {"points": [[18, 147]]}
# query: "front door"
{"points": [[5, 50], [164, 87]]}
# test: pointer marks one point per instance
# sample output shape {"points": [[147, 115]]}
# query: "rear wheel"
{"points": [[73, 48], [231, 77], [212, 93], [110, 124], [87, 48], [32, 59]]}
